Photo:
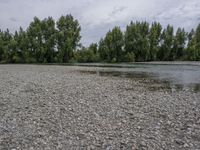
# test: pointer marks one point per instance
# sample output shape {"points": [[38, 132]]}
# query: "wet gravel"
{"points": [[60, 107]]}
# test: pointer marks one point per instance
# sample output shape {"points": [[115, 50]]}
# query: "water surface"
{"points": [[177, 76]]}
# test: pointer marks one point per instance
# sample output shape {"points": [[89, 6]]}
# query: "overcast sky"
{"points": [[98, 16]]}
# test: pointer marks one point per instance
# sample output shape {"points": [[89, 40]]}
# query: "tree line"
{"points": [[49, 41], [44, 41]]}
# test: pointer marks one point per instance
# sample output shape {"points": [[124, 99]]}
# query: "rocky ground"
{"points": [[60, 107]]}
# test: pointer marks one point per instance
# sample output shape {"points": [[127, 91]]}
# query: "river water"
{"points": [[177, 75]]}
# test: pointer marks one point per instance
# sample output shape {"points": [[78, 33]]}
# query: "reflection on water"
{"points": [[173, 77]]}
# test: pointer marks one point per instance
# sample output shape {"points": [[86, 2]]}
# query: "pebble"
{"points": [[69, 108]]}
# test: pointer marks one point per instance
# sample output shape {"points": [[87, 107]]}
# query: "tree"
{"points": [[177, 52], [87, 55], [7, 49], [114, 41], [197, 42], [166, 43], [137, 41], [23, 43], [45, 41], [42, 37], [154, 40], [34, 33], [68, 37], [14, 50], [48, 39], [103, 50], [93, 47], [1, 46], [130, 38], [193, 49], [111, 47], [190, 51]]}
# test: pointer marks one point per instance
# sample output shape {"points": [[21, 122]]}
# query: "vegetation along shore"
{"points": [[50, 41]]}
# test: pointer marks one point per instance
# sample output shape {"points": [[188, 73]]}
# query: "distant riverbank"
{"points": [[173, 62], [114, 64]]}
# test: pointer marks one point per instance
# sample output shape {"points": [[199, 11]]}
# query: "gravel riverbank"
{"points": [[61, 107]]}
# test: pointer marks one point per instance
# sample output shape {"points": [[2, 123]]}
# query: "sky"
{"points": [[96, 17]]}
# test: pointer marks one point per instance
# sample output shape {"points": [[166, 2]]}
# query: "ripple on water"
{"points": [[170, 77]]}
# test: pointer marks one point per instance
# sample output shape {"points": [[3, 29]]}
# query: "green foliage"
{"points": [[1, 46], [49, 41], [167, 39], [197, 42], [136, 40], [68, 37], [177, 52], [193, 49], [154, 40], [87, 55], [111, 47], [103, 50], [44, 41], [129, 57]]}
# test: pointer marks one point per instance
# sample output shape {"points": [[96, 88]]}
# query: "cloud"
{"points": [[184, 15], [98, 16], [13, 19], [4, 1]]}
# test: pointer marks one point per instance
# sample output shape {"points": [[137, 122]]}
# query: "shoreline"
{"points": [[59, 107], [113, 64]]}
